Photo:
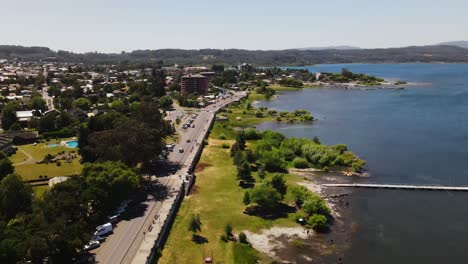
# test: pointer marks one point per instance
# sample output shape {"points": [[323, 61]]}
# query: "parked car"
{"points": [[113, 218], [103, 230], [181, 150], [100, 239], [91, 245], [188, 140]]}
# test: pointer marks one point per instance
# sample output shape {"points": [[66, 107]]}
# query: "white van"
{"points": [[103, 230]]}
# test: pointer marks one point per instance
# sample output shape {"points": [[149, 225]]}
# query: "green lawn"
{"points": [[31, 170], [217, 198], [39, 190]]}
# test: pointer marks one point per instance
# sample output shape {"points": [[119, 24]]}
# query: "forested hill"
{"points": [[442, 53]]}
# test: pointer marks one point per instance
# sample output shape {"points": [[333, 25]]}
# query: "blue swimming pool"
{"points": [[72, 144]]}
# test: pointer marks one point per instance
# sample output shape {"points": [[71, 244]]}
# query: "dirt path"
{"points": [[30, 159]]}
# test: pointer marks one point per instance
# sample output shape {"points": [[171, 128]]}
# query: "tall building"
{"points": [[245, 67], [195, 83]]}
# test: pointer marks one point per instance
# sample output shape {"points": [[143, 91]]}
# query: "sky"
{"points": [[126, 25]]}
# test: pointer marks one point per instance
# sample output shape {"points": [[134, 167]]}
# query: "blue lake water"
{"points": [[418, 135]]}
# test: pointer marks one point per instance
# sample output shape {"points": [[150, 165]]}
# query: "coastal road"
{"points": [[123, 244]]}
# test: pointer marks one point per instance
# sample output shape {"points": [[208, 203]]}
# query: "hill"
{"points": [[443, 53], [331, 48], [461, 43]]}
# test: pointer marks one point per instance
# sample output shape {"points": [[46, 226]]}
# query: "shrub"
{"points": [[243, 238], [225, 146], [318, 222], [58, 163], [228, 230], [224, 238], [300, 163], [246, 199], [222, 136]]}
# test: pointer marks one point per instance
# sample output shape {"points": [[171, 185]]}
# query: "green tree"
{"points": [[265, 197], [15, 197], [6, 167], [278, 182], [9, 115], [82, 103], [243, 172], [246, 199], [194, 224], [165, 102], [318, 222], [37, 103], [315, 205]]}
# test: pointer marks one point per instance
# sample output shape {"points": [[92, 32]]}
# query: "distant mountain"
{"points": [[442, 53], [332, 48], [461, 43]]}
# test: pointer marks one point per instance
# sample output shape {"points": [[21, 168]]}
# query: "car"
{"points": [[113, 218], [91, 245], [193, 126], [103, 230], [181, 150], [119, 211], [188, 140], [98, 238]]}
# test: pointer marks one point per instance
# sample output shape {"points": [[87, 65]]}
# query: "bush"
{"points": [[300, 163], [225, 146], [243, 238], [224, 238], [222, 136], [259, 114], [318, 222], [228, 230], [58, 163], [251, 134]]}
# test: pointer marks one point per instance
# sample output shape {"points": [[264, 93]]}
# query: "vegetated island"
{"points": [[247, 207]]}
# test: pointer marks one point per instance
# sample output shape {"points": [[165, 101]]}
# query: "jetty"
{"points": [[397, 186]]}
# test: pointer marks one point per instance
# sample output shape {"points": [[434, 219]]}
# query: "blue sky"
{"points": [[116, 25]]}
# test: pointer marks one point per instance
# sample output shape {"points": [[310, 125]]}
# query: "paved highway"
{"points": [[122, 245]]}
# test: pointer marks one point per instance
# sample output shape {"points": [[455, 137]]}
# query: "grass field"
{"points": [[29, 170], [39, 190], [217, 198]]}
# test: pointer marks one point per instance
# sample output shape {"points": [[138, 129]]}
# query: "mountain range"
{"points": [[432, 53]]}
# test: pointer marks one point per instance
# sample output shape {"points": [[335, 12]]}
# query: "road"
{"points": [[123, 244], [45, 95]]}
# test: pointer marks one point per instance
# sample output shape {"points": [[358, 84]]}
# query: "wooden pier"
{"points": [[402, 187]]}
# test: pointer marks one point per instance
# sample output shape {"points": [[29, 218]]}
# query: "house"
{"points": [[56, 180], [6, 144], [24, 117]]}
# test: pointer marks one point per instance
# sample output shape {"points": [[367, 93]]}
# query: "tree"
{"points": [[261, 172], [318, 222], [278, 182], [9, 115], [37, 103], [265, 196], [315, 205], [228, 230], [110, 183], [246, 199], [194, 224], [165, 102], [15, 197], [6, 167], [243, 172], [82, 103], [239, 145]]}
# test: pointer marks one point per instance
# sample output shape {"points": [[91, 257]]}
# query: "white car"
{"points": [[91, 245]]}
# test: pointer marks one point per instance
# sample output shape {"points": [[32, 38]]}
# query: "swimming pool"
{"points": [[72, 144]]}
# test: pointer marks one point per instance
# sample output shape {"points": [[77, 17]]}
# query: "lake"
{"points": [[418, 135]]}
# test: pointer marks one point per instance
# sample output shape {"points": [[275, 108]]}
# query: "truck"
{"points": [[103, 230]]}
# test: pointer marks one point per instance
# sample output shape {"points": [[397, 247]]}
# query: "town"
{"points": [[122, 137]]}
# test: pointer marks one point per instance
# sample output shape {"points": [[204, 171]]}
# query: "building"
{"points": [[195, 83], [245, 67], [6, 144]]}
